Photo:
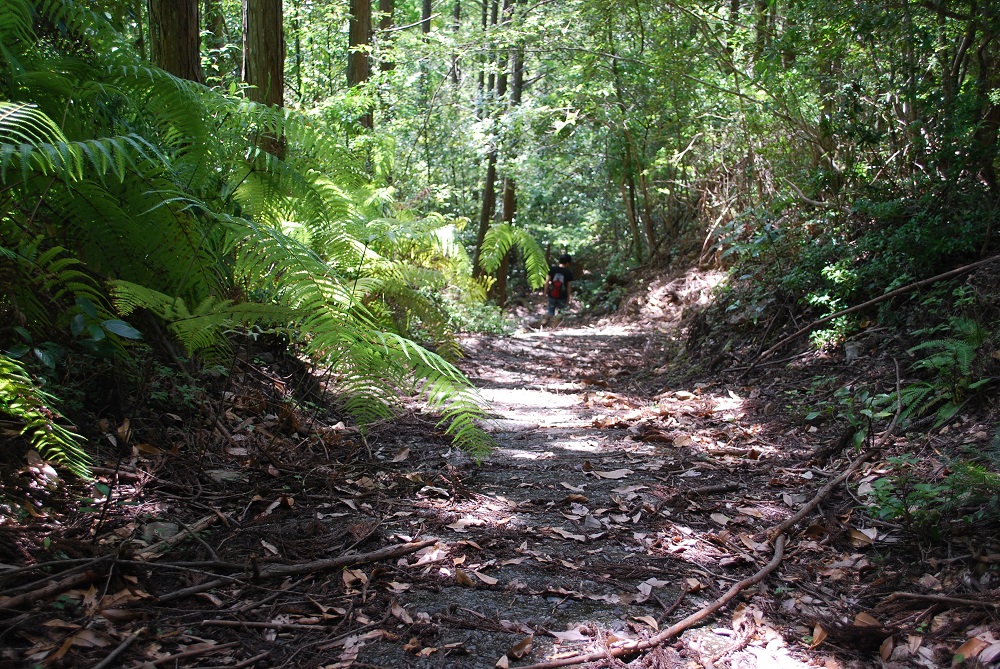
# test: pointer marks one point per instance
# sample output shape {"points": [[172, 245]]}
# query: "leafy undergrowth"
{"points": [[632, 486]]}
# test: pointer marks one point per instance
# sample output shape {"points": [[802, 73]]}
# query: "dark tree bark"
{"points": [[359, 42], [264, 51], [264, 59], [425, 16], [386, 20], [174, 37], [456, 25]]}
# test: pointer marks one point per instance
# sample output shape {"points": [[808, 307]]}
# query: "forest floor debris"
{"points": [[615, 505]]}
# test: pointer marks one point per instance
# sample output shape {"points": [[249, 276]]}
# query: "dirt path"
{"points": [[601, 516], [613, 507]]}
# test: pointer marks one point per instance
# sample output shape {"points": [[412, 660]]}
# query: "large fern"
{"points": [[125, 173]]}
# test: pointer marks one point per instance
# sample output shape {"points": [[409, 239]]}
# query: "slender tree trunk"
{"points": [[425, 16], [138, 11], [386, 20], [456, 25], [359, 41], [175, 39], [264, 59]]}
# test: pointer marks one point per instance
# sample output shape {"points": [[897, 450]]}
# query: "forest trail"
{"points": [[600, 518], [614, 506]]}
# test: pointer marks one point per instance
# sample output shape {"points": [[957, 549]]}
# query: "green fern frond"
{"points": [[15, 21], [23, 401], [501, 238]]}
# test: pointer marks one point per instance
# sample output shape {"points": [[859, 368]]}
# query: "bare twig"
{"points": [[28, 598], [109, 661], [161, 547], [825, 491], [275, 570], [677, 628], [201, 649], [944, 599], [267, 626]]}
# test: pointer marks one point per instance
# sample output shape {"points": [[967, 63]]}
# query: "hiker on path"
{"points": [[558, 285]]}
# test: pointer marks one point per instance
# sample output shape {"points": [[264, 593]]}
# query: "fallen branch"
{"points": [[825, 491], [264, 626], [196, 651], [275, 570], [677, 628], [389, 552], [944, 599], [29, 598], [864, 305], [109, 661]]}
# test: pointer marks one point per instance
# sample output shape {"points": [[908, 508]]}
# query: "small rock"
{"points": [[159, 530]]}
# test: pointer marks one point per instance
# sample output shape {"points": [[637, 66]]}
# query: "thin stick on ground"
{"points": [[825, 491], [677, 628], [944, 599], [109, 661]]}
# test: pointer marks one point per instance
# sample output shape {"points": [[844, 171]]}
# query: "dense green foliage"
{"points": [[129, 192]]}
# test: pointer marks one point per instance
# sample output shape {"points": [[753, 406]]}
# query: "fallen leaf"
{"points": [[721, 519], [818, 635], [463, 578], [571, 635], [865, 620], [401, 455], [488, 580], [461, 524], [885, 650], [522, 648], [615, 474], [503, 662], [400, 613], [649, 620], [565, 534], [271, 548], [862, 538], [571, 487], [971, 649]]}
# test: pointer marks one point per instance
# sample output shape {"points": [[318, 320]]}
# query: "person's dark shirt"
{"points": [[567, 278]]}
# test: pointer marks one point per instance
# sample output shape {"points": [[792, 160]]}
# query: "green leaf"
{"points": [[96, 332], [25, 335], [87, 307], [19, 351], [121, 328], [77, 324], [47, 358]]}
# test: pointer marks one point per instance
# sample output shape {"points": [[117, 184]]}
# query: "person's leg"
{"points": [[552, 307]]}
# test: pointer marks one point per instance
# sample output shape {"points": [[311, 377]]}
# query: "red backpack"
{"points": [[557, 285]]}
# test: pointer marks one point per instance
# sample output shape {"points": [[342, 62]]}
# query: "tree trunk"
{"points": [[386, 10], [456, 25], [425, 16], [264, 58], [175, 39], [359, 41]]}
